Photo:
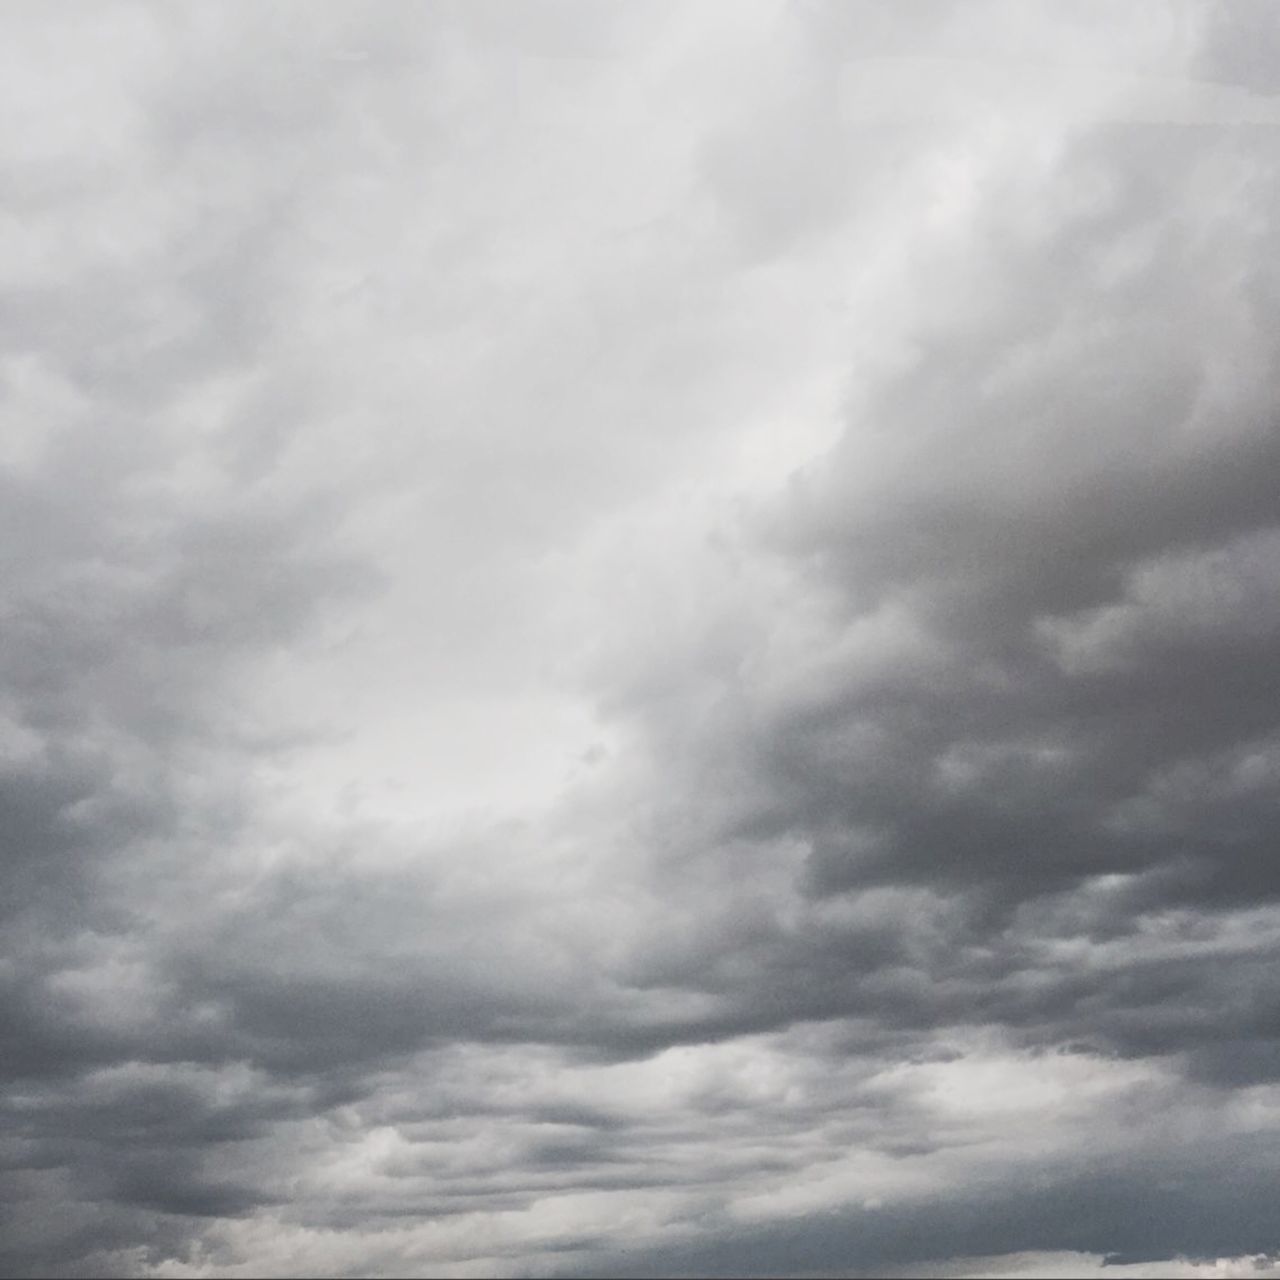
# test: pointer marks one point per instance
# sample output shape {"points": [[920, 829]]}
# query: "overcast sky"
{"points": [[640, 639]]}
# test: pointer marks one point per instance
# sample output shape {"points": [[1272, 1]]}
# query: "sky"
{"points": [[640, 639]]}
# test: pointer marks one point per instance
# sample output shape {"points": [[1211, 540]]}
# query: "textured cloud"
{"points": [[639, 642]]}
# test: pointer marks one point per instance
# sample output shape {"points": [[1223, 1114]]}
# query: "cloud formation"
{"points": [[641, 642]]}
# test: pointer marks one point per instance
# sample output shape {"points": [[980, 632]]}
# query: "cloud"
{"points": [[1041, 602], [629, 649]]}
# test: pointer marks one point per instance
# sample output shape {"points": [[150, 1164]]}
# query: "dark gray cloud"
{"points": [[1044, 685], [626, 649], [1208, 1214]]}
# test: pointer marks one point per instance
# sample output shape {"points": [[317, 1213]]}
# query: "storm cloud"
{"points": [[640, 640]]}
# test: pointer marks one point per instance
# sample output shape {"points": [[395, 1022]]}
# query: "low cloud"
{"points": [[616, 662]]}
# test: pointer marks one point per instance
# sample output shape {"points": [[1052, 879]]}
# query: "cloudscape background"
{"points": [[640, 639]]}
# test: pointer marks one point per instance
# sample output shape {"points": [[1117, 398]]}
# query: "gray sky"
{"points": [[640, 639]]}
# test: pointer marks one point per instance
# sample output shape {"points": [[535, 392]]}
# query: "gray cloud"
{"points": [[1044, 685], [622, 654]]}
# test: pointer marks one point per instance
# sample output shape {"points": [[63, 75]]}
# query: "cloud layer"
{"points": [[641, 642]]}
